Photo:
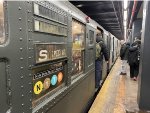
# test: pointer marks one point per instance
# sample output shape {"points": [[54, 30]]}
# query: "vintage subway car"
{"points": [[47, 57]]}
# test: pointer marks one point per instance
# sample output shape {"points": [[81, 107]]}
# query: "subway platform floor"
{"points": [[118, 94]]}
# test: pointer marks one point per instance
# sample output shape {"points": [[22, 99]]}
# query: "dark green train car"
{"points": [[47, 57]]}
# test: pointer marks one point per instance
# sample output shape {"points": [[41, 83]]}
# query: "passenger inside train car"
{"points": [[74, 56]]}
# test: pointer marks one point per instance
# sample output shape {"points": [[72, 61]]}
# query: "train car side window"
{"points": [[2, 31], [78, 37], [91, 37]]}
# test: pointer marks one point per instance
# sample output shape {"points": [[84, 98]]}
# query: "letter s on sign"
{"points": [[43, 55]]}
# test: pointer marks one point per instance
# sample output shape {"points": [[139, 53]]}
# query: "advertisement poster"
{"points": [[78, 46], [78, 41], [77, 61]]}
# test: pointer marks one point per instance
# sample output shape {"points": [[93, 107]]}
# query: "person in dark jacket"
{"points": [[99, 61], [134, 58], [124, 57]]}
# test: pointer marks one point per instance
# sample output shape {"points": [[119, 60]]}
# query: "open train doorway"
{"points": [[103, 65]]}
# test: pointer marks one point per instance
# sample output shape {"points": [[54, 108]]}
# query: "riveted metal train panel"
{"points": [[37, 58]]}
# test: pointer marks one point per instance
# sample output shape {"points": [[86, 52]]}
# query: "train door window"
{"points": [[108, 43], [91, 37], [78, 37], [2, 31], [105, 38], [91, 57]]}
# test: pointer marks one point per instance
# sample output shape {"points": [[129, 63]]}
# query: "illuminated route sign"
{"points": [[45, 79], [50, 28], [47, 52], [44, 11]]}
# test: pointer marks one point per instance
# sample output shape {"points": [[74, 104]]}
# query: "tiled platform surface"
{"points": [[118, 94]]}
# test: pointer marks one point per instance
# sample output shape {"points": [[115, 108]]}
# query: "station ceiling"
{"points": [[138, 12], [108, 14]]}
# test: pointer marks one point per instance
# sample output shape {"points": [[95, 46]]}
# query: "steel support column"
{"points": [[144, 74]]}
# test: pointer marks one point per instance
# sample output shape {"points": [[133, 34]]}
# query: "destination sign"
{"points": [[45, 79], [48, 52], [51, 28], [48, 13], [52, 69]]}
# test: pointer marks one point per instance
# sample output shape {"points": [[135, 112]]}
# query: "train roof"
{"points": [[75, 12]]}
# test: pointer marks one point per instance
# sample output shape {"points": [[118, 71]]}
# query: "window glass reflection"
{"points": [[91, 37], [78, 37]]}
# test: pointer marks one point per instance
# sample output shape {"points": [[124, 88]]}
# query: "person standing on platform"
{"points": [[134, 58], [101, 50], [124, 57]]}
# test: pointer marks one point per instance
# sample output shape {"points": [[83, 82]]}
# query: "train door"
{"points": [[108, 42], [113, 50], [108, 46], [116, 48], [90, 46], [104, 70], [110, 52], [90, 54], [104, 63]]}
